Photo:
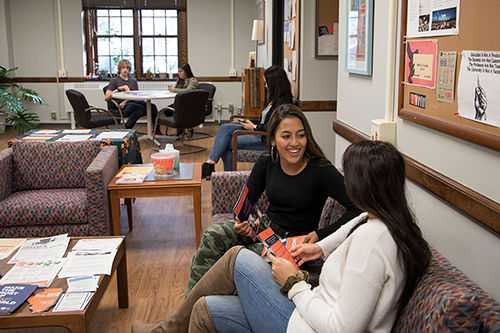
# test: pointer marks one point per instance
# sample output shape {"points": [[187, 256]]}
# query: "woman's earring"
{"points": [[275, 160]]}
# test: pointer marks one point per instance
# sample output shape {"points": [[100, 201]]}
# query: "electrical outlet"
{"points": [[219, 107], [63, 73], [239, 111], [232, 72], [231, 108], [54, 116]]}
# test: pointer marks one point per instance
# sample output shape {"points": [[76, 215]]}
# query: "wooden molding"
{"points": [[82, 79], [482, 138], [479, 208], [317, 105]]}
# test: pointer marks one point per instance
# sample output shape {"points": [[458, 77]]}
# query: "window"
{"points": [[149, 38]]}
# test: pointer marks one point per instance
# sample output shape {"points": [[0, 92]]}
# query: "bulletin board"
{"points": [[291, 55], [478, 26], [327, 19]]}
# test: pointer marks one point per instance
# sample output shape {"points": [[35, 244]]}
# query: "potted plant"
{"points": [[171, 68], [11, 95], [149, 73], [102, 71]]}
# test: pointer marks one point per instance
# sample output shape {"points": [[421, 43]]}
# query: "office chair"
{"points": [[188, 112], [83, 115]]}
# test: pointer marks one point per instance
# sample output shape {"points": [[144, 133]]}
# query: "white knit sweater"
{"points": [[359, 285]]}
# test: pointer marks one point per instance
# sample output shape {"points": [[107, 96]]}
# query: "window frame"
{"points": [[90, 33]]}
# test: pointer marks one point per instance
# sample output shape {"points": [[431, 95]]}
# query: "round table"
{"points": [[147, 95]]}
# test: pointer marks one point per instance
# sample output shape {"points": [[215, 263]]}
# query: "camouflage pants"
{"points": [[215, 241]]}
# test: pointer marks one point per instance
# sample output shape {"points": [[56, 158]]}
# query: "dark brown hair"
{"points": [[313, 150], [374, 174], [278, 84], [189, 73]]}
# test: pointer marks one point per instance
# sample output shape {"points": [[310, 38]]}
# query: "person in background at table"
{"points": [[135, 109], [372, 267], [297, 178], [186, 81], [278, 93]]}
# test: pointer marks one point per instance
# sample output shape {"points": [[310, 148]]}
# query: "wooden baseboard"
{"points": [[474, 205]]}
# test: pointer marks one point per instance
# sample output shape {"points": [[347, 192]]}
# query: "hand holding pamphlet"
{"points": [[246, 210], [276, 247]]}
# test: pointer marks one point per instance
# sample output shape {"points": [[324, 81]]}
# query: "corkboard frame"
{"points": [[288, 54], [476, 33], [327, 13]]}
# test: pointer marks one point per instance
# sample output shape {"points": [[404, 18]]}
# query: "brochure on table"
{"points": [[9, 245], [35, 272], [42, 248], [82, 263], [12, 296]]}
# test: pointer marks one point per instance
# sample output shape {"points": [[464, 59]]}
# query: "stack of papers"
{"points": [[39, 272], [111, 135], [9, 245], [82, 131], [42, 248], [73, 138], [73, 302], [83, 263], [83, 284], [95, 244]]}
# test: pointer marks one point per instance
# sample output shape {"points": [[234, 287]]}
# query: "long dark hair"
{"points": [[187, 69], [313, 150], [375, 181], [278, 84]]}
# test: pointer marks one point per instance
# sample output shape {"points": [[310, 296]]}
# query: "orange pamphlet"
{"points": [[41, 302], [274, 245]]}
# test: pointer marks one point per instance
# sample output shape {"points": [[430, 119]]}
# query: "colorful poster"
{"points": [[447, 64], [432, 18], [479, 86], [421, 63]]}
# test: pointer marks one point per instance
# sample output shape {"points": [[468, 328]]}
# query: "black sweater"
{"points": [[296, 202]]}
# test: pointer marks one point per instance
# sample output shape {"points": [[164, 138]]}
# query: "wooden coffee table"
{"points": [[74, 321], [157, 188]]}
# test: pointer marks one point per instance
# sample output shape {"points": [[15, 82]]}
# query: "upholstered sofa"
{"points": [[446, 300], [49, 188]]}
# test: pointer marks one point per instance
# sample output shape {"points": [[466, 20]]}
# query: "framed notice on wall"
{"points": [[359, 37], [327, 29]]}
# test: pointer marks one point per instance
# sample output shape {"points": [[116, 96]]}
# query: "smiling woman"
{"points": [[297, 178]]}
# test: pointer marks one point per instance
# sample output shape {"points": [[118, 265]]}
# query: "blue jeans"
{"points": [[223, 145], [138, 109], [259, 306]]}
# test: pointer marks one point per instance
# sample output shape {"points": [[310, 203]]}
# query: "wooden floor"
{"points": [[159, 251]]}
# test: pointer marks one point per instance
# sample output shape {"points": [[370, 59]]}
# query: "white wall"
{"points": [[35, 46], [470, 247]]}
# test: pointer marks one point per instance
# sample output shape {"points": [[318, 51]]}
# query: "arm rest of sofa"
{"points": [[97, 177], [6, 165]]}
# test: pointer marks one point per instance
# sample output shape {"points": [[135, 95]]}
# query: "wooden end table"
{"points": [[157, 188], [74, 321]]}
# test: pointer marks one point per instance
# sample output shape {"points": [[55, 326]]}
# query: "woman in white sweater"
{"points": [[372, 265]]}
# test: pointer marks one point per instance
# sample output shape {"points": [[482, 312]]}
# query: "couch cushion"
{"points": [[442, 302], [44, 207], [46, 165]]}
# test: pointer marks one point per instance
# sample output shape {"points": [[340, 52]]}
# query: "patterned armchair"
{"points": [[226, 188], [49, 188]]}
